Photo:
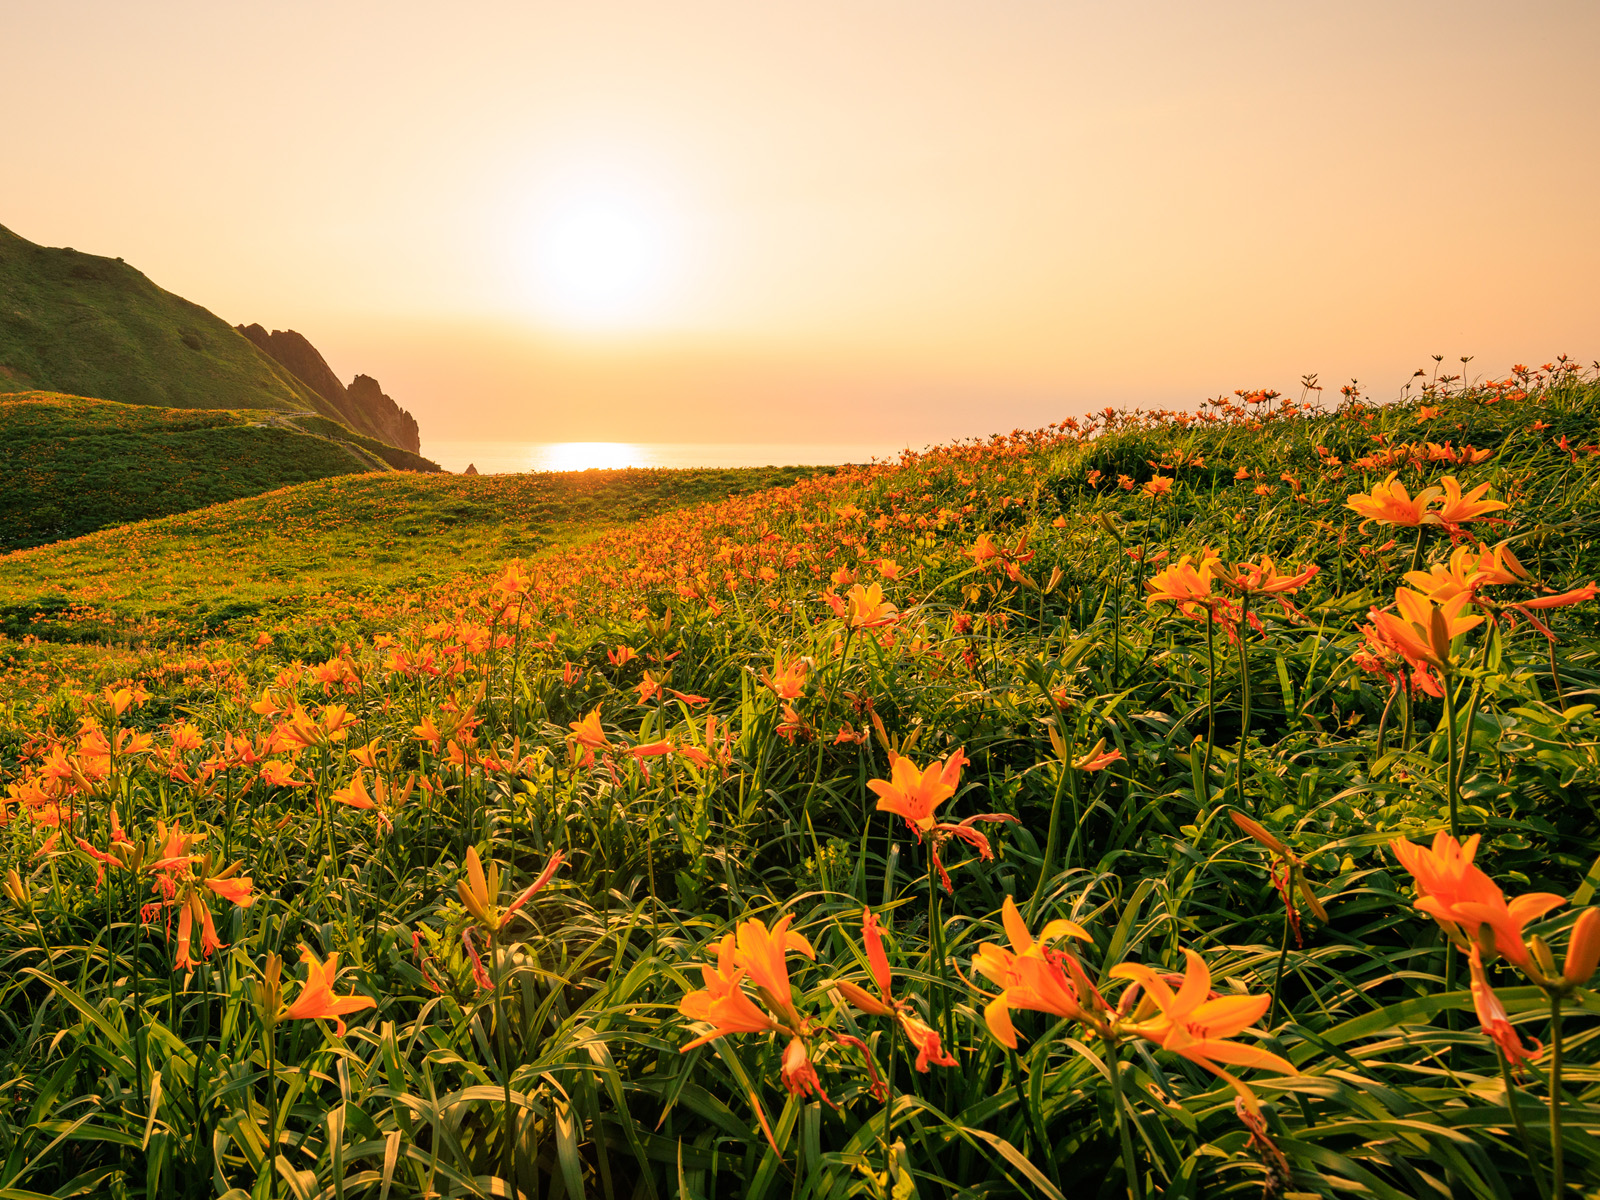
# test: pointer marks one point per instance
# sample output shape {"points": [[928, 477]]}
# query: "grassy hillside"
{"points": [[1071, 813], [71, 465], [91, 326], [303, 559]]}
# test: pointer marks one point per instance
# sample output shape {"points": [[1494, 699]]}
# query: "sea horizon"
{"points": [[497, 457]]}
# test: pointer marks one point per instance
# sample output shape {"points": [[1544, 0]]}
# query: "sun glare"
{"points": [[580, 456], [603, 259]]}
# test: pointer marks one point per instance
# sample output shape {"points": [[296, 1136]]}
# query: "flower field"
{"points": [[1156, 804]]}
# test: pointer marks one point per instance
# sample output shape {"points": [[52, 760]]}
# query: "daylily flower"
{"points": [[316, 1000], [868, 608], [1192, 1023], [1456, 509], [915, 794], [1186, 583], [1424, 628], [480, 891], [1455, 892], [1492, 1016], [1264, 578], [1035, 977], [930, 1050], [1390, 504], [787, 681], [761, 953], [588, 733], [722, 1003], [1097, 758]]}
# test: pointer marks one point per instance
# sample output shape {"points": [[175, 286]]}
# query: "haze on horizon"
{"points": [[713, 221]]}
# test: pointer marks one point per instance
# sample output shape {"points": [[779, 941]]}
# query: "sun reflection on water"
{"points": [[581, 456]]}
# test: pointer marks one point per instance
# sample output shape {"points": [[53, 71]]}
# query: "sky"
{"points": [[832, 221]]}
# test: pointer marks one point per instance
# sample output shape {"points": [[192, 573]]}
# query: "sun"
{"points": [[603, 259]]}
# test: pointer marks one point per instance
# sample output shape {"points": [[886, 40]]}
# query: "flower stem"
{"points": [[1452, 784], [888, 1111], [1283, 955], [508, 1156], [272, 1106], [1051, 843], [1123, 1132], [1244, 680], [1516, 1119], [1211, 706], [1557, 1165]]}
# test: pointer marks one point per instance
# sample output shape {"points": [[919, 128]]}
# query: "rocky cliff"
{"points": [[362, 404]]}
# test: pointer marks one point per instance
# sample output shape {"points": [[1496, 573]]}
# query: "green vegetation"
{"points": [[618, 871], [91, 326], [300, 561], [71, 465]]}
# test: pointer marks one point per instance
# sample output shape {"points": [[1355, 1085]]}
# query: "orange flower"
{"points": [[1424, 628], [1097, 758], [788, 681], [317, 1001], [428, 732], [1390, 504], [588, 733], [1192, 1023], [868, 608], [354, 793], [1456, 509], [1157, 485], [1455, 892], [1031, 976], [1186, 583], [480, 890], [1583, 951], [760, 953], [281, 774], [915, 794], [722, 1003], [930, 1050], [798, 1073], [1492, 1016], [1263, 577]]}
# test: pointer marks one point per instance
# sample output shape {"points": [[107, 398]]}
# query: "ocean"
{"points": [[503, 458]]}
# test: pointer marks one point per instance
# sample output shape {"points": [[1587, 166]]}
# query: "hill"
{"points": [[305, 554], [1118, 808], [85, 325], [70, 465], [363, 403]]}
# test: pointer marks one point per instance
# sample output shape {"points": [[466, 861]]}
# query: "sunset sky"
{"points": [[697, 221]]}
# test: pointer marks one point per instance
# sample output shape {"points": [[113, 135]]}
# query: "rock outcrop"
{"points": [[362, 404], [472, 469]]}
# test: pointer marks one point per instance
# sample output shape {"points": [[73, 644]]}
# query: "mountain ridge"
{"points": [[86, 325], [362, 402]]}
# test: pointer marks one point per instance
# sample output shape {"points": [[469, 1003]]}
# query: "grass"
{"points": [[91, 326], [683, 712], [316, 563], [71, 465]]}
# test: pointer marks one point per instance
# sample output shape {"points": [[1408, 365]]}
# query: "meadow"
{"points": [[70, 465], [1179, 804]]}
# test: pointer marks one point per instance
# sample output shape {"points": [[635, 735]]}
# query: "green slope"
{"points": [[71, 465], [267, 558], [92, 326]]}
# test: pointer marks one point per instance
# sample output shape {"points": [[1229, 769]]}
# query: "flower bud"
{"points": [[1543, 957], [17, 889], [1583, 952]]}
